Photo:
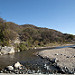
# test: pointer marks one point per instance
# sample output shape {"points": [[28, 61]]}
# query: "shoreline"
{"points": [[12, 51], [53, 46]]}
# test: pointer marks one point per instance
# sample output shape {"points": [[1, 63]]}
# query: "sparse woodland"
{"points": [[30, 35]]}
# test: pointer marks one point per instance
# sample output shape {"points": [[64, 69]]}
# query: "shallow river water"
{"points": [[24, 56]]}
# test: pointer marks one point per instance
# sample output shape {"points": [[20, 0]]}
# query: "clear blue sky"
{"points": [[53, 14]]}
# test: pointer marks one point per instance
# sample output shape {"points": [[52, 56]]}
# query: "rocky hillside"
{"points": [[24, 36]]}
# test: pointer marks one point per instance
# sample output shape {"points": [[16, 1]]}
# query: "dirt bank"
{"points": [[65, 58]]}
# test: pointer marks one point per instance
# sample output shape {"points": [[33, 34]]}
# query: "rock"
{"points": [[67, 57], [17, 40], [0, 53], [17, 72], [64, 55], [35, 48], [29, 72], [10, 68], [38, 71], [7, 50], [20, 72], [17, 65], [45, 65], [56, 54], [5, 70], [55, 60], [18, 50], [74, 56], [33, 71], [1, 71], [0, 47], [48, 68], [10, 72], [65, 69], [61, 54]]}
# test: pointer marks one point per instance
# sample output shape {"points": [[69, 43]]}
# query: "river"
{"points": [[24, 57]]}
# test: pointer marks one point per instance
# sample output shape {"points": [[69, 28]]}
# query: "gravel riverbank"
{"points": [[64, 58]]}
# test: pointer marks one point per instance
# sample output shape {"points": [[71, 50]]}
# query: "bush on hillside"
{"points": [[22, 47]]}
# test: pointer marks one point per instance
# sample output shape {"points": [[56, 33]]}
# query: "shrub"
{"points": [[22, 47]]}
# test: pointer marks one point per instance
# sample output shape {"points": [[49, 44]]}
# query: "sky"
{"points": [[52, 14]]}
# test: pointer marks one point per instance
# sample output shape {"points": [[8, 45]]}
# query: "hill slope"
{"points": [[30, 35]]}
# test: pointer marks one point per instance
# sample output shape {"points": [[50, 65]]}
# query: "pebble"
{"points": [[64, 55], [74, 56], [45, 65], [33, 71], [20, 67], [38, 71], [9, 71], [45, 68], [67, 57], [56, 54], [48, 68], [55, 60], [61, 54], [1, 71], [20, 72]]}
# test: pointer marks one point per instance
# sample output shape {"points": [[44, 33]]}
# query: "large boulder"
{"points": [[17, 65], [7, 50]]}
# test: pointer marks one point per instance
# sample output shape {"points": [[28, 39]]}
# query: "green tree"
{"points": [[22, 46]]}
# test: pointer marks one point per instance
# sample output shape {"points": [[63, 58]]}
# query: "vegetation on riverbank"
{"points": [[29, 36]]}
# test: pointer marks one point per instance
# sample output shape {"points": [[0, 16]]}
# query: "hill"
{"points": [[30, 35]]}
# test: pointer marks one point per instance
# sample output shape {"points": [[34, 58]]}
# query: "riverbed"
{"points": [[29, 59], [63, 57], [32, 62]]}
